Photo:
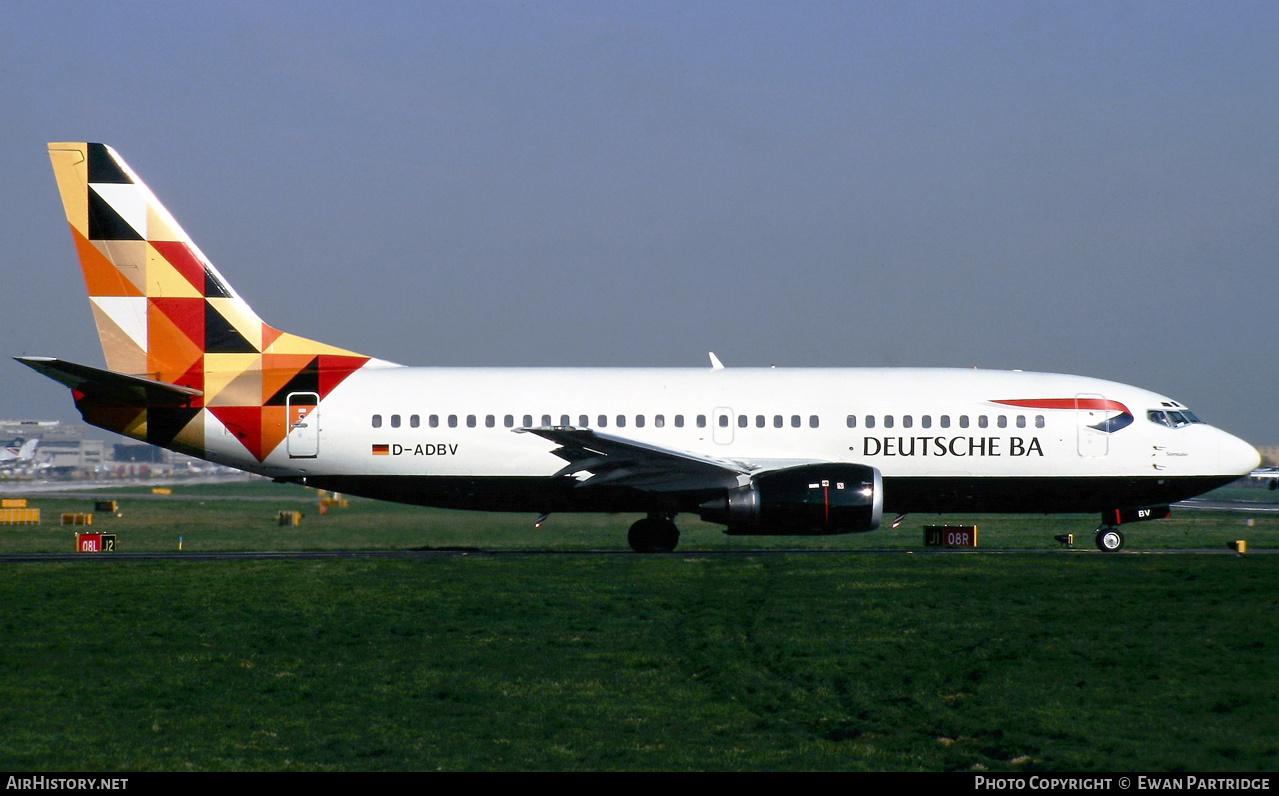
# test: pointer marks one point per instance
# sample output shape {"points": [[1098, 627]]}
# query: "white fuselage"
{"points": [[908, 423]]}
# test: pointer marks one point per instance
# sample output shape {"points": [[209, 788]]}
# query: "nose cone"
{"points": [[1235, 456]]}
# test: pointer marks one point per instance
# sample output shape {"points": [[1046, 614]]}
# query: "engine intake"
{"points": [[809, 500]]}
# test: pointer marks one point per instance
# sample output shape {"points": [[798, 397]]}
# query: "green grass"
{"points": [[895, 660], [881, 661]]}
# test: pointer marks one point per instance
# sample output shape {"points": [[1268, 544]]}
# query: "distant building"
{"points": [[61, 446], [66, 452], [143, 454]]}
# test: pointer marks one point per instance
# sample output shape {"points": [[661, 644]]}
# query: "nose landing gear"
{"points": [[1109, 539]]}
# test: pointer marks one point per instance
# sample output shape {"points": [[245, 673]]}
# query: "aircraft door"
{"points": [[303, 439], [722, 425], [1093, 442]]}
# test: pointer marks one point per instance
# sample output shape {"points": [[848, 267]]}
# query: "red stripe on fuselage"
{"points": [[1102, 404]]}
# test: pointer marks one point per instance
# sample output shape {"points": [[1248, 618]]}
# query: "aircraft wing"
{"points": [[597, 459]]}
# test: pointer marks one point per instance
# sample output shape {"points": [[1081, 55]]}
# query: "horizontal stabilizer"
{"points": [[109, 387]]}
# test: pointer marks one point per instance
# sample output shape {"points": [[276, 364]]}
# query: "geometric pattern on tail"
{"points": [[164, 312]]}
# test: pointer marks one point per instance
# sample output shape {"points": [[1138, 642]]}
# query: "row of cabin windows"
{"points": [[743, 421], [779, 421], [926, 421], [601, 421]]}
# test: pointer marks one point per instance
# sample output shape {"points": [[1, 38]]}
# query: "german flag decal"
{"points": [[381, 450]]}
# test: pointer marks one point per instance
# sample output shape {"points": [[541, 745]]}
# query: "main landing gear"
{"points": [[1109, 539], [656, 533]]}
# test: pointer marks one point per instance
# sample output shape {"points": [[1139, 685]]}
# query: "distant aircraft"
{"points": [[1268, 474], [19, 451], [776, 451]]}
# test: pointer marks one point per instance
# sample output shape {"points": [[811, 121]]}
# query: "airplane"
{"points": [[19, 451], [1268, 474], [769, 451]]}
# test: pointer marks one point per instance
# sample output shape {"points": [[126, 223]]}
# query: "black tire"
{"points": [[641, 536], [653, 535], [667, 536], [1110, 540]]}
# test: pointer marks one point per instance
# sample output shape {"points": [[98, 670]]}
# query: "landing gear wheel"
{"points": [[1109, 540], [653, 535]]}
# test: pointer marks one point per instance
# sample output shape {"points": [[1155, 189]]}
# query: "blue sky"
{"points": [[1077, 187]]}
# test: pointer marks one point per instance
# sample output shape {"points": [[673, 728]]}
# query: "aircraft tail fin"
{"points": [[165, 314]]}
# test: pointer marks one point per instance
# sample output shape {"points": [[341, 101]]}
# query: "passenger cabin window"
{"points": [[583, 421], [778, 421], [489, 421], [414, 421], [639, 421], [701, 421], [742, 421], [760, 421], [851, 421], [907, 421], [813, 422], [659, 421], [794, 421], [679, 421], [963, 421], [470, 421], [889, 422], [377, 421], [565, 421], [395, 421], [1039, 421], [509, 421], [433, 421], [621, 421], [926, 421], [945, 421], [546, 420], [603, 421], [452, 421], [723, 421], [528, 421], [982, 422], [1021, 421], [870, 421]]}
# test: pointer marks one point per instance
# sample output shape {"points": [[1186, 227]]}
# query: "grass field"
{"points": [[894, 660], [206, 520]]}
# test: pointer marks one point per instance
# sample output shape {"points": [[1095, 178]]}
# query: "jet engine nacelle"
{"points": [[809, 500]]}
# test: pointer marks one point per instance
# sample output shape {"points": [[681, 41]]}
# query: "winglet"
{"points": [[715, 363]]}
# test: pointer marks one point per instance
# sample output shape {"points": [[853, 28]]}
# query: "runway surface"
{"points": [[443, 553], [1246, 506]]}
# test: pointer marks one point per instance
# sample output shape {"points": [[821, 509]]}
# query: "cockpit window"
{"points": [[1172, 418]]}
